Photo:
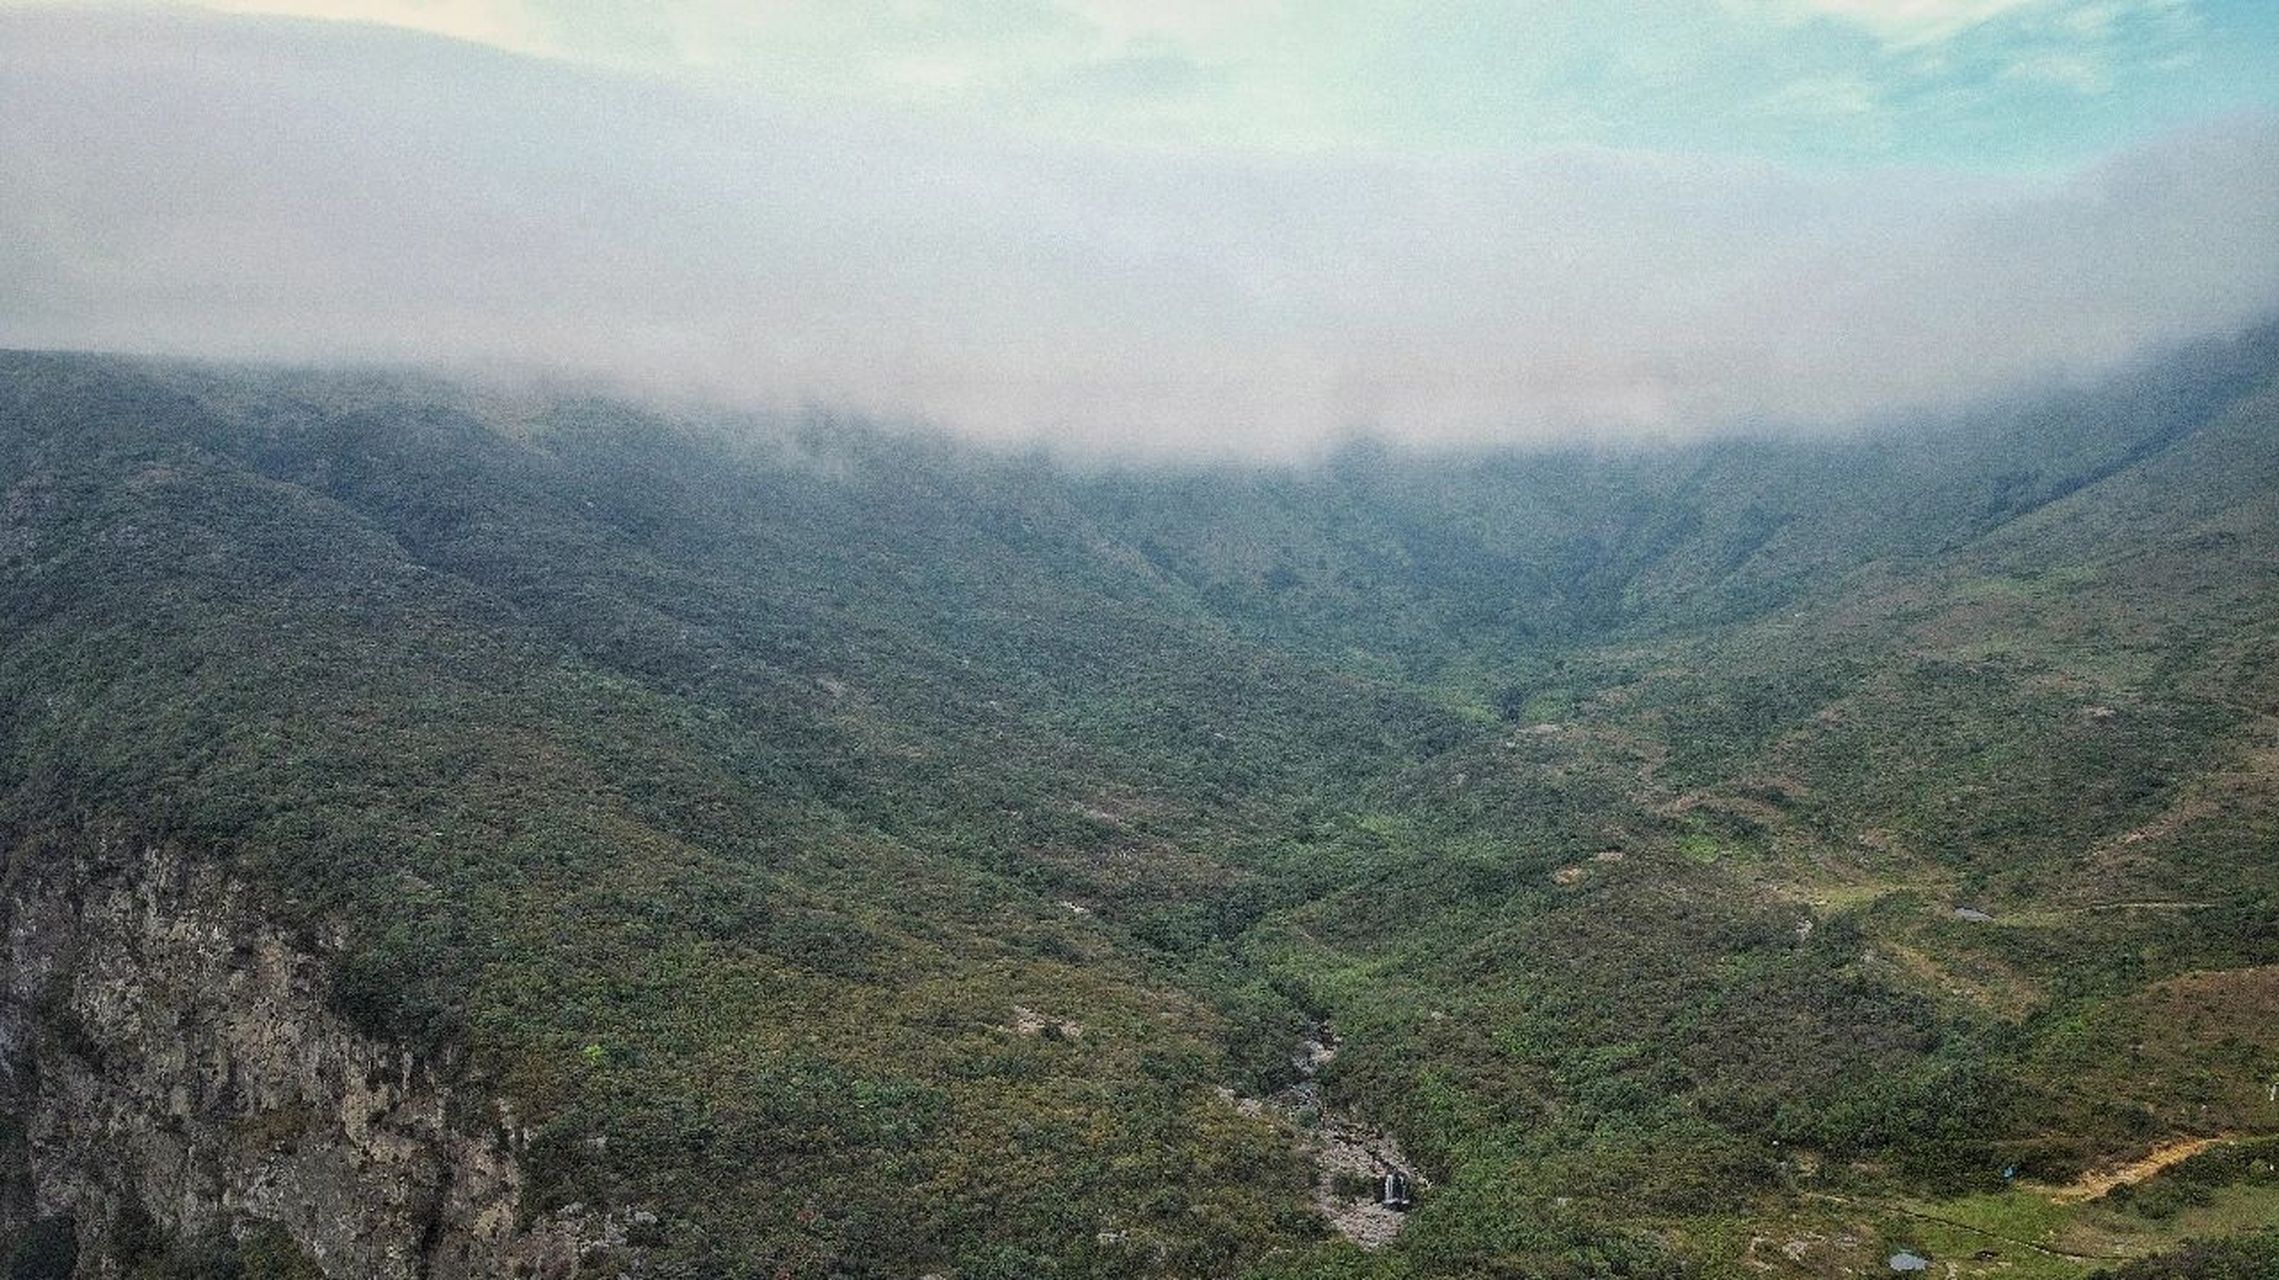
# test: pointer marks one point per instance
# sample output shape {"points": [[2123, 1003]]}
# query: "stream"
{"points": [[1349, 1153]]}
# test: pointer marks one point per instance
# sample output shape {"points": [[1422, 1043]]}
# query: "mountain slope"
{"points": [[810, 849]]}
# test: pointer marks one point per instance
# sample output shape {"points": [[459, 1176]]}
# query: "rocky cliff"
{"points": [[175, 1075]]}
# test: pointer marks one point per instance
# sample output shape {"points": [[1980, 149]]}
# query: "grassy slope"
{"points": [[2065, 713], [724, 793]]}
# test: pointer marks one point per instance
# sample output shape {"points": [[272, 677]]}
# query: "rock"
{"points": [[1029, 1022], [166, 1045]]}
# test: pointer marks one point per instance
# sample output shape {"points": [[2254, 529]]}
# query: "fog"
{"points": [[278, 190]]}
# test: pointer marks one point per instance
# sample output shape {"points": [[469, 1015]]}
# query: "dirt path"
{"points": [[2098, 1182], [2091, 1186], [1921, 1215]]}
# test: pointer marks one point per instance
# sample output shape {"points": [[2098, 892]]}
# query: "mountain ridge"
{"points": [[720, 806]]}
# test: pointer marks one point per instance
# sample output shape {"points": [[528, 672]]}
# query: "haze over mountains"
{"points": [[269, 189], [1049, 639], [836, 851]]}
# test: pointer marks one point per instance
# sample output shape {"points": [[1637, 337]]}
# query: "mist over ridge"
{"points": [[282, 190], [1139, 639]]}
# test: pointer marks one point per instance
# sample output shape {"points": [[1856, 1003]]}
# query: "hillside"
{"points": [[719, 847]]}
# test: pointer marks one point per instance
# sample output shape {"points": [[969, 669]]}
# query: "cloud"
{"points": [[2082, 73], [1273, 74], [1903, 23], [280, 190], [1820, 97], [2065, 43], [514, 25]]}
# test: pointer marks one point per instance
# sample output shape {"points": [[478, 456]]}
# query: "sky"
{"points": [[1998, 84], [1231, 227]]}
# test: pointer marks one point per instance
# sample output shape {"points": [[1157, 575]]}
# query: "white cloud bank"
{"points": [[280, 190]]}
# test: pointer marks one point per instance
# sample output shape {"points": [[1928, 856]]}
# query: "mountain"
{"points": [[459, 832]]}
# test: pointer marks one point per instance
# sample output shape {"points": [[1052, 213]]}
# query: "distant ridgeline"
{"points": [[554, 839]]}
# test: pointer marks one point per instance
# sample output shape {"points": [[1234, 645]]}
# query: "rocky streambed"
{"points": [[1350, 1155]]}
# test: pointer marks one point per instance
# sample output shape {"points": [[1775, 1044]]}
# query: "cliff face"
{"points": [[176, 1071]]}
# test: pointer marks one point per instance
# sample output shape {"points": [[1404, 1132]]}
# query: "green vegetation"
{"points": [[875, 857], [46, 1249], [2248, 1257], [245, 1250]]}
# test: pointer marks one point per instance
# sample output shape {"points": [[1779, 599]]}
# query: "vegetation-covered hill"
{"points": [[870, 856]]}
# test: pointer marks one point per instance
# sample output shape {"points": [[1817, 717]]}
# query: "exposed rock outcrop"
{"points": [[1350, 1156], [171, 1060]]}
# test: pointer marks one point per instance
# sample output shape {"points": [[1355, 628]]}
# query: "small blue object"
{"points": [[2009, 1172], [1904, 1261]]}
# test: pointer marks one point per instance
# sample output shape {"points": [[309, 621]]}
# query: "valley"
{"points": [[786, 848]]}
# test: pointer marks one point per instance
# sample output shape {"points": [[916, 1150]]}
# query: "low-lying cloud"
{"points": [[315, 192]]}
